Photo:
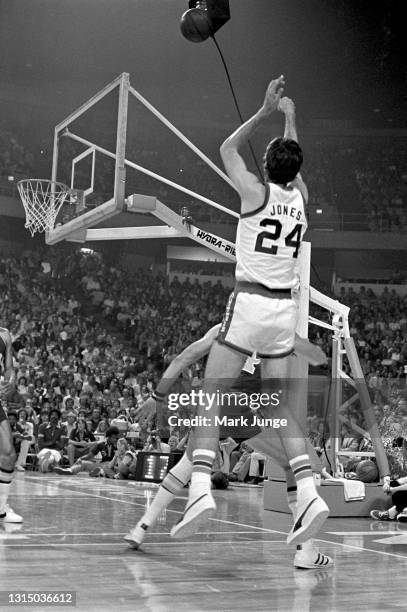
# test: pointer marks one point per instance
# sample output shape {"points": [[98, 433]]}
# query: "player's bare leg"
{"points": [[311, 508], [307, 556], [173, 483], [8, 459], [222, 369]]}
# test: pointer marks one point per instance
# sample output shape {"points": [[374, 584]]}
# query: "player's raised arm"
{"points": [[287, 106], [248, 185]]}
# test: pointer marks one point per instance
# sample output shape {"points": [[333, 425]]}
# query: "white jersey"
{"points": [[268, 239]]}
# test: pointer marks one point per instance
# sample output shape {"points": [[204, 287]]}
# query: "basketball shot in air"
{"points": [[307, 556], [270, 302], [184, 414], [261, 315]]}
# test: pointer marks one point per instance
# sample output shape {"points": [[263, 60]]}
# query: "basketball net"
{"points": [[42, 200]]}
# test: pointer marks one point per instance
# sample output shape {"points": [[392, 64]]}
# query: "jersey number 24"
{"points": [[293, 239]]}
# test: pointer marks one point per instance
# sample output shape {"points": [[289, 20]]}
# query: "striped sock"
{"points": [[202, 461], [173, 483], [6, 478], [302, 471]]}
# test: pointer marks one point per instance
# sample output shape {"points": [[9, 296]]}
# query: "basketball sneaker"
{"points": [[402, 516], [381, 515], [196, 513], [136, 536], [311, 515], [308, 557], [10, 528], [9, 516]]}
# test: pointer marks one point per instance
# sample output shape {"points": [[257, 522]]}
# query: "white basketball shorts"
{"points": [[261, 320]]}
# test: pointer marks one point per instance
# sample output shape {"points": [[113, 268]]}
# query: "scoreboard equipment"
{"points": [[153, 466]]}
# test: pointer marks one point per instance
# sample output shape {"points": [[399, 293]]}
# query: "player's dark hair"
{"points": [[112, 431], [282, 160]]}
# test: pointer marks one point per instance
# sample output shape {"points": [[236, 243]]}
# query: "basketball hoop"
{"points": [[42, 200]]}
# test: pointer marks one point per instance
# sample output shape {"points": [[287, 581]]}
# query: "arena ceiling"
{"points": [[342, 58]]}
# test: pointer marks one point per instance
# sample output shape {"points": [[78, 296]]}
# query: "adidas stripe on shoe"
{"points": [[311, 559]]}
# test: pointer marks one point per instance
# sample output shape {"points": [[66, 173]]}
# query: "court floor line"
{"points": [[344, 545], [251, 526], [172, 543], [364, 549], [379, 534], [118, 533]]}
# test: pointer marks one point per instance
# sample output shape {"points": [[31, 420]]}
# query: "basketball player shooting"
{"points": [[261, 314], [307, 555], [7, 453]]}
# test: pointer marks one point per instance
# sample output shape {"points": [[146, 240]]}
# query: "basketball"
{"points": [[195, 25], [367, 471]]}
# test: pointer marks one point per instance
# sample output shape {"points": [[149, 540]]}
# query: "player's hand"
{"points": [[273, 95], [286, 106]]}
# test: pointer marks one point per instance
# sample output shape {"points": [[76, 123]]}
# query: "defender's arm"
{"points": [[190, 355]]}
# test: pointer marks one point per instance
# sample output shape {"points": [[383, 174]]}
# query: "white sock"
{"points": [[201, 483], [306, 488], [393, 512], [172, 484], [306, 546], [292, 501], [5, 482]]}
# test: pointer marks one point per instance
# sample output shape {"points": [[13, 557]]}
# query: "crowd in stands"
{"points": [[378, 325], [358, 176], [15, 159], [91, 341], [381, 176], [71, 370]]}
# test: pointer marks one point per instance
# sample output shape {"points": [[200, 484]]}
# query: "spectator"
{"points": [[51, 442], [27, 441], [398, 510], [241, 467], [87, 463], [154, 444], [101, 430], [70, 423], [21, 439], [81, 439]]}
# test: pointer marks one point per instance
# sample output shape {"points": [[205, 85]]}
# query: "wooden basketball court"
{"points": [[72, 540]]}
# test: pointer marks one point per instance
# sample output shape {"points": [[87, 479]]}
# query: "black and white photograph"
{"points": [[203, 305]]}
